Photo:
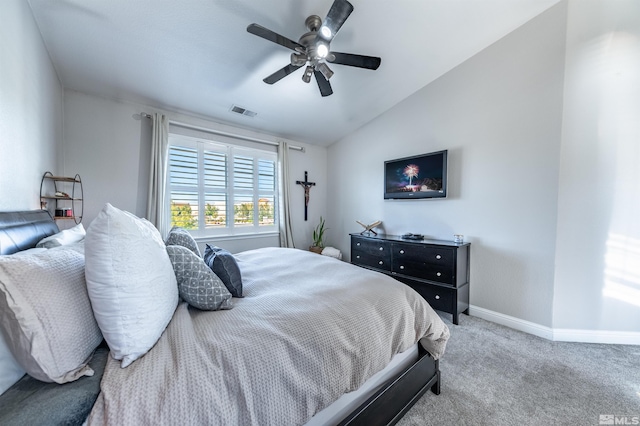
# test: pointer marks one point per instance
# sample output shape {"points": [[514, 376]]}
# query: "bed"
{"points": [[313, 341]]}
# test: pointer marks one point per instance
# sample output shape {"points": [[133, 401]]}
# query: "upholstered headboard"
{"points": [[22, 230]]}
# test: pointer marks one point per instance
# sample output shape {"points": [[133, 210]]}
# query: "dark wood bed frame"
{"points": [[22, 230], [397, 396]]}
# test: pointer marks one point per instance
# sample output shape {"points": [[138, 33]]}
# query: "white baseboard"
{"points": [[512, 322], [560, 335], [597, 336]]}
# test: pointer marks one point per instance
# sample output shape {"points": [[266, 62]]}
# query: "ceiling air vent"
{"points": [[240, 110]]}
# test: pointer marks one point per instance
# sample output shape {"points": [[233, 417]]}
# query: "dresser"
{"points": [[437, 270]]}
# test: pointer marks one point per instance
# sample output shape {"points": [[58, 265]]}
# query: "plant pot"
{"points": [[316, 249]]}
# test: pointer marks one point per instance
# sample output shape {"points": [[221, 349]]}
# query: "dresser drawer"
{"points": [[374, 254], [375, 248], [373, 261], [426, 272], [429, 263], [439, 298], [423, 253]]}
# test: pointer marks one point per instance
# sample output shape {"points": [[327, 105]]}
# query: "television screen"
{"points": [[420, 176]]}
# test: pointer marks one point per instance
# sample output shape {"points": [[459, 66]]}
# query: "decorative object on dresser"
{"points": [[66, 195], [438, 270], [410, 236], [369, 228]]}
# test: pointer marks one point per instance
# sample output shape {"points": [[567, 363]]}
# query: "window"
{"points": [[221, 189]]}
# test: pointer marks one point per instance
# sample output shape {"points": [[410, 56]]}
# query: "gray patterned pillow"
{"points": [[224, 265], [181, 237], [197, 284]]}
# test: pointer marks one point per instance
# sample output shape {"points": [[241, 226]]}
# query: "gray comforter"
{"points": [[309, 329]]}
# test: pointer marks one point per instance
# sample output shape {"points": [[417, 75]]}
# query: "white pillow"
{"points": [[68, 236], [46, 316], [130, 280]]}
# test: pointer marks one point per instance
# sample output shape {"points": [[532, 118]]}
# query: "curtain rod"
{"points": [[221, 133]]}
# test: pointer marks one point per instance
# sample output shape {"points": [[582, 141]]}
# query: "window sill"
{"points": [[236, 237]]}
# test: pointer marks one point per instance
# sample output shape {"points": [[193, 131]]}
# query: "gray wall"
{"points": [[499, 115], [111, 151], [30, 109], [597, 280]]}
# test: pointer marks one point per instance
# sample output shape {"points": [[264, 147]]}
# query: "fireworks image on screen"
{"points": [[411, 171]]}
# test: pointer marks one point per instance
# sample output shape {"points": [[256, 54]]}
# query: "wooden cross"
{"points": [[307, 186]]}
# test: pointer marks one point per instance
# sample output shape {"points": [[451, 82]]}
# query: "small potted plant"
{"points": [[318, 237]]}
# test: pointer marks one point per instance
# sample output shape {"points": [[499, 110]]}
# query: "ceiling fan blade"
{"points": [[323, 84], [267, 34], [281, 73], [360, 61], [338, 14]]}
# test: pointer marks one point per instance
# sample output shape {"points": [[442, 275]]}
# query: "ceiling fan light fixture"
{"points": [[308, 72], [312, 50], [298, 60], [322, 49], [325, 32], [325, 70]]}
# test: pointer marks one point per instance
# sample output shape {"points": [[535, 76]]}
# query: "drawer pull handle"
{"points": [[439, 274], [401, 266], [401, 251], [438, 257], [381, 248], [380, 263], [357, 244], [358, 257], [437, 297]]}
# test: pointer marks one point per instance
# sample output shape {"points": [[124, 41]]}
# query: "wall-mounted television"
{"points": [[420, 176]]}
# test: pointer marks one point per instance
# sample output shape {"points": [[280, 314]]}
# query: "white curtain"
{"points": [[157, 210], [286, 235]]}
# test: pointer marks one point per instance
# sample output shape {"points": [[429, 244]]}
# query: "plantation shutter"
{"points": [[215, 188], [183, 178], [218, 189], [266, 191]]}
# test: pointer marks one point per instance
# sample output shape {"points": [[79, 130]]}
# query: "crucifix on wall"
{"points": [[307, 186]]}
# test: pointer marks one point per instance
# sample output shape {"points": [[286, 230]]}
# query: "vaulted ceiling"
{"points": [[196, 56]]}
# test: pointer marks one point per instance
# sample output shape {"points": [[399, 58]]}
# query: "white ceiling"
{"points": [[196, 57]]}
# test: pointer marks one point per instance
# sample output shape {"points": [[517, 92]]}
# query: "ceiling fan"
{"points": [[312, 49]]}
